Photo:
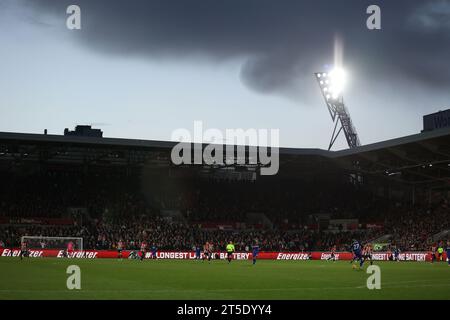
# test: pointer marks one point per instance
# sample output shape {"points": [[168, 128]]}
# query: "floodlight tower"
{"points": [[331, 85]]}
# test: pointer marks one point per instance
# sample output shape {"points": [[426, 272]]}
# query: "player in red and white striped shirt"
{"points": [[143, 249], [120, 247]]}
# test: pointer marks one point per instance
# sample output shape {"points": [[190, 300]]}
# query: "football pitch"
{"points": [[45, 278]]}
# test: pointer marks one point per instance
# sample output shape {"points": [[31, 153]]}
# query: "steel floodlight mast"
{"points": [[331, 87]]}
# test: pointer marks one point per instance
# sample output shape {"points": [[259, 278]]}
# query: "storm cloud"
{"points": [[281, 42]]}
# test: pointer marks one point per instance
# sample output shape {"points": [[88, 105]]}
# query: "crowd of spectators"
{"points": [[51, 193], [118, 211], [410, 230], [170, 235], [278, 240]]}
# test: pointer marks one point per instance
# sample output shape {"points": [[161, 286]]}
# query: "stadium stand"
{"points": [[106, 189]]}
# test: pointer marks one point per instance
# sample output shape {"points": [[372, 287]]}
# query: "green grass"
{"points": [[45, 278]]}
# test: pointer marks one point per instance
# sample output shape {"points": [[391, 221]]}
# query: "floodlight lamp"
{"points": [[338, 78], [332, 92]]}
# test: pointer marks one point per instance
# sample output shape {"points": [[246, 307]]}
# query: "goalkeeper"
{"points": [[230, 251]]}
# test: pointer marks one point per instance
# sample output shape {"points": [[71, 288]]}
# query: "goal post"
{"points": [[61, 243]]}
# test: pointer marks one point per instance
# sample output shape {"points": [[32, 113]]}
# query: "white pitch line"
{"points": [[216, 290]]}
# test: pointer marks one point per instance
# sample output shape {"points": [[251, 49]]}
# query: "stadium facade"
{"points": [[414, 163]]}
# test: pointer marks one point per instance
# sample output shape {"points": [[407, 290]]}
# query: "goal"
{"points": [[42, 242]]}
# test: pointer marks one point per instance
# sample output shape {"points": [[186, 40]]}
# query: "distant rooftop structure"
{"points": [[84, 131], [436, 121]]}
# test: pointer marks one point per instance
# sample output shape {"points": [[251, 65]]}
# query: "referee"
{"points": [[230, 250], [440, 253]]}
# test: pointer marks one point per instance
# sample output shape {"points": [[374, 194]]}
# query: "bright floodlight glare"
{"points": [[332, 83], [337, 77]]}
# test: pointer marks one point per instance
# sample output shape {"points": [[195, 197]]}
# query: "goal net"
{"points": [[61, 243]]}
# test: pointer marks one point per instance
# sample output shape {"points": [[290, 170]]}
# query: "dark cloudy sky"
{"points": [[143, 68]]}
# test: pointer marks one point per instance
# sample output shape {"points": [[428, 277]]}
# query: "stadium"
{"points": [[95, 192], [258, 203]]}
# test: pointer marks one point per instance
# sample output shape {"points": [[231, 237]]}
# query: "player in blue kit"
{"points": [[255, 251], [354, 258], [198, 252], [448, 252], [357, 252], [154, 250], [397, 254]]}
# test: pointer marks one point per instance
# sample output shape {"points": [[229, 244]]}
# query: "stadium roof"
{"points": [[420, 159]]}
